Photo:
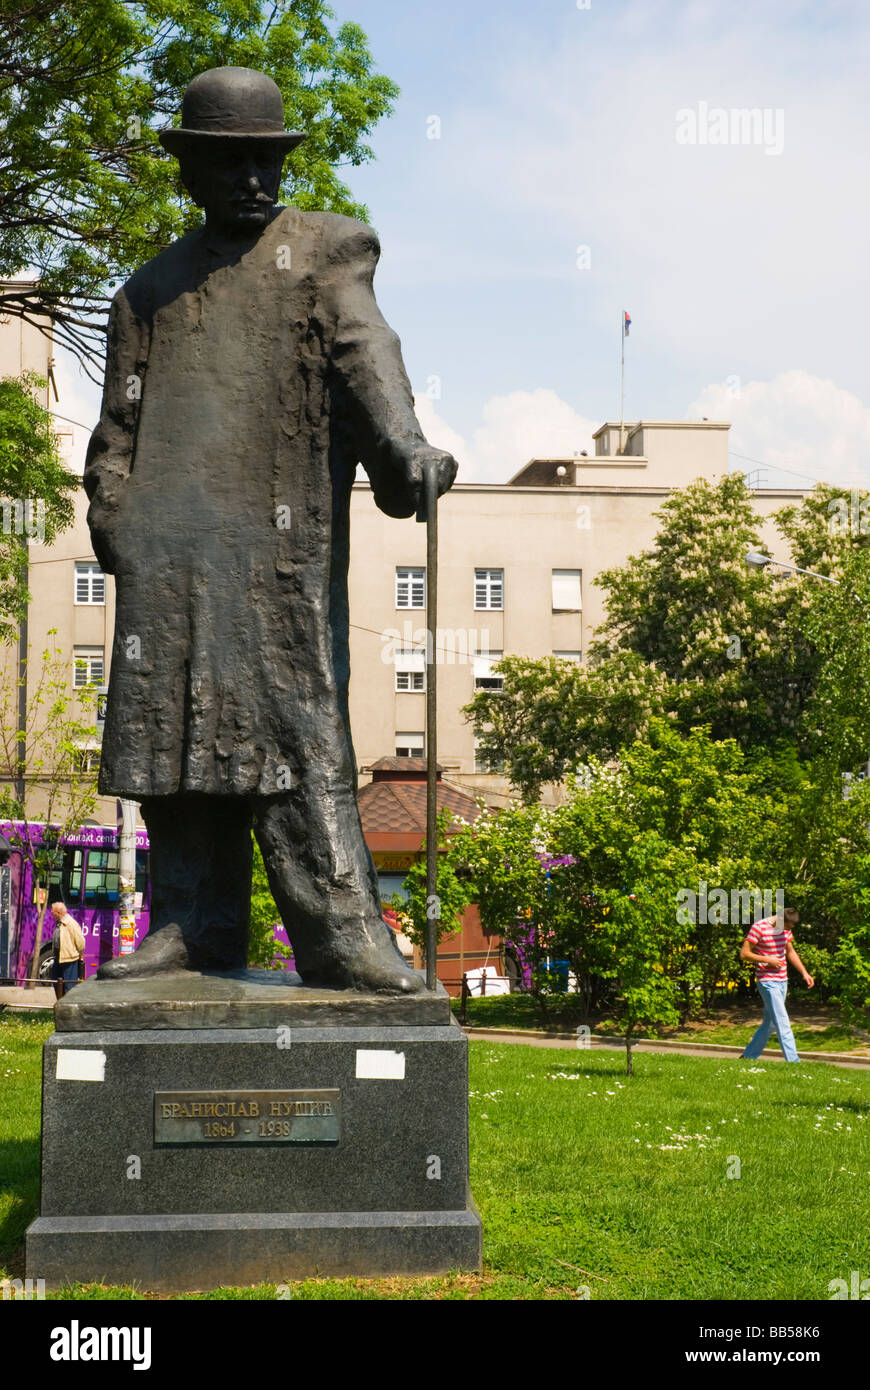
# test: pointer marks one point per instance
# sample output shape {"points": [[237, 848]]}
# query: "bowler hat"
{"points": [[231, 104]]}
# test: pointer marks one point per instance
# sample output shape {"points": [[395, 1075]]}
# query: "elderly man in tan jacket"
{"points": [[69, 949]]}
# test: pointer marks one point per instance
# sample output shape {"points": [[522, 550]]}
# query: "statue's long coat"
{"points": [[241, 390]]}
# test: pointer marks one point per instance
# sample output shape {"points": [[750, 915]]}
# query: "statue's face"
{"points": [[235, 182]]}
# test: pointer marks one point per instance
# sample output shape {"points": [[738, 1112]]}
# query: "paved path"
{"points": [[569, 1041], [42, 997], [15, 997]]}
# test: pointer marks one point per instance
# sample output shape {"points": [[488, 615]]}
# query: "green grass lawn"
{"points": [[21, 1039], [816, 1028], [588, 1180]]}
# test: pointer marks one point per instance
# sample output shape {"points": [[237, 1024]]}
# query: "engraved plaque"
{"points": [[247, 1117]]}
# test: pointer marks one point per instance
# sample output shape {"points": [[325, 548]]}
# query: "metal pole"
{"points": [[622, 385], [127, 876], [21, 748], [429, 512]]}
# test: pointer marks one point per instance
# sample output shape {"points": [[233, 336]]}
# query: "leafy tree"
{"points": [[56, 729], [635, 936], [824, 860], [836, 725], [86, 191], [552, 714], [36, 490], [499, 863], [849, 970], [829, 533], [414, 910], [263, 949], [717, 628], [561, 884], [676, 813], [825, 526], [705, 814]]}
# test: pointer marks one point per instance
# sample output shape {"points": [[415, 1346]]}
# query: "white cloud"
{"points": [[797, 423], [519, 426]]}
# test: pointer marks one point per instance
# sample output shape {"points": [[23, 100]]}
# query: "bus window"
{"points": [[75, 875], [59, 883], [69, 892], [55, 885], [55, 891], [141, 871], [101, 878]]}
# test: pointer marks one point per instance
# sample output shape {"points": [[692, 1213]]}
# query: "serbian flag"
{"points": [[627, 322]]}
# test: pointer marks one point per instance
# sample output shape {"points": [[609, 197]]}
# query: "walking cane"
{"points": [[428, 512]]}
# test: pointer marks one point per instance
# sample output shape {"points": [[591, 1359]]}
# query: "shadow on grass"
{"points": [[853, 1106], [819, 1038], [612, 1069], [19, 1196]]}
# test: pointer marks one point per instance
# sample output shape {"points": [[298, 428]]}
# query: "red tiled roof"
{"points": [[407, 765], [399, 808]]}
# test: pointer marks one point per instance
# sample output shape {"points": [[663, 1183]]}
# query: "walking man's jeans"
{"points": [[775, 1017], [66, 975]]}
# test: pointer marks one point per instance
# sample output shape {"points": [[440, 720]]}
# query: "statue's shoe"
{"points": [[369, 966], [162, 953]]}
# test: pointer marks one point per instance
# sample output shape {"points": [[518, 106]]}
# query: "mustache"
{"points": [[263, 198]]}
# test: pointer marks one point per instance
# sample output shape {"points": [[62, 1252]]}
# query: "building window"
{"points": [[485, 678], [88, 666], [566, 591], [568, 656], [489, 589], [409, 745], [410, 670], [484, 765], [88, 757], [90, 584], [410, 588]]}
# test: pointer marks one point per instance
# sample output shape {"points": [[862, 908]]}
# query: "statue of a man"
{"points": [[249, 369]]}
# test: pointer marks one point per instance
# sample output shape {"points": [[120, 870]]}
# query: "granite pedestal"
{"points": [[256, 1130]]}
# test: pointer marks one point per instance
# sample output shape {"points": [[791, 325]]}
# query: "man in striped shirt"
{"points": [[770, 945]]}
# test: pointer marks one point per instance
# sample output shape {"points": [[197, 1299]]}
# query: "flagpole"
{"points": [[622, 386]]}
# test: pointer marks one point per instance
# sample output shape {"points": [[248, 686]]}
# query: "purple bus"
{"points": [[86, 879]]}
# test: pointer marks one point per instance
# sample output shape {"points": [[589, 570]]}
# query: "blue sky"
{"points": [[743, 264]]}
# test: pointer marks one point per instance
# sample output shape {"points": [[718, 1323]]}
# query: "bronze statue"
{"points": [[248, 370]]}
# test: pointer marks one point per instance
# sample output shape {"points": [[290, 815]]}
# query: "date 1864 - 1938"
{"points": [[246, 1117]]}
